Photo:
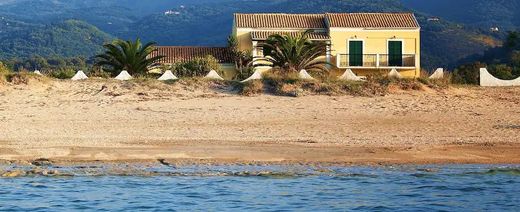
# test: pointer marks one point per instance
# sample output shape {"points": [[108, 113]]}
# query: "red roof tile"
{"points": [[280, 20], [372, 20], [175, 54]]}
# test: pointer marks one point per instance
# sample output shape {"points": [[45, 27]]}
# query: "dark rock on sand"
{"points": [[42, 162]]}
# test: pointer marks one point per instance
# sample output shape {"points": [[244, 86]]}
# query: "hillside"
{"points": [[206, 22], [484, 14], [68, 38]]}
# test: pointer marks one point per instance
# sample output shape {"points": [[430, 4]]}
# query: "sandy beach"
{"points": [[109, 121]]}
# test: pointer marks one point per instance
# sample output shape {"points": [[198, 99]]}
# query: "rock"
{"points": [[213, 75], [350, 76], [123, 76], [305, 75], [438, 74], [14, 173], [42, 162], [256, 76], [394, 74], [80, 75], [168, 75], [37, 72]]}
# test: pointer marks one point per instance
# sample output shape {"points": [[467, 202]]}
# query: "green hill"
{"points": [[68, 38], [484, 14]]}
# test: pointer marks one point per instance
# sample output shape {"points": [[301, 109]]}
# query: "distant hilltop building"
{"points": [[434, 19], [171, 12]]}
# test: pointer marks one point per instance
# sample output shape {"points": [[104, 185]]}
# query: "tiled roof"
{"points": [[175, 54], [372, 20], [263, 35], [280, 20]]}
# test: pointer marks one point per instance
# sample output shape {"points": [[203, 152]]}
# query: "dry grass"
{"points": [[251, 88], [437, 84], [24, 78], [291, 85], [272, 83]]}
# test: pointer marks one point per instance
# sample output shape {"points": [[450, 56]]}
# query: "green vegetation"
{"points": [[243, 59], [48, 65], [131, 56], [291, 85], [502, 62], [198, 67], [290, 54], [64, 73], [4, 71], [477, 13], [70, 38]]}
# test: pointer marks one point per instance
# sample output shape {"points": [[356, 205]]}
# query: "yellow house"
{"points": [[363, 42]]}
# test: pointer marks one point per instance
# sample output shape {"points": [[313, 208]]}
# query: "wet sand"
{"points": [[107, 121]]}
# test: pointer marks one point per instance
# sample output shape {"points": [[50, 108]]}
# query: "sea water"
{"points": [[271, 188]]}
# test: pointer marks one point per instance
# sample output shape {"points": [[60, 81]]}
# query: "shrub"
{"points": [[97, 71], [468, 74], [63, 73], [501, 71], [23, 77], [438, 84], [4, 71], [251, 88], [198, 67], [244, 73], [407, 84], [291, 85]]}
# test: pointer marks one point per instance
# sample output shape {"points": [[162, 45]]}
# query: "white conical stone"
{"points": [[213, 75], [37, 72], [80, 75], [256, 76], [438, 74], [168, 75], [304, 75], [350, 76], [395, 74], [124, 75]]}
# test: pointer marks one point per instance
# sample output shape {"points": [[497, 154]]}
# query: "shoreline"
{"points": [[272, 153]]}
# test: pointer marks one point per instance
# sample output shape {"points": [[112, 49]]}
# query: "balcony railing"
{"points": [[375, 61], [358, 60]]}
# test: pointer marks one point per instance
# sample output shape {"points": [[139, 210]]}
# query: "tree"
{"points": [[131, 56], [513, 40], [501, 71], [294, 53], [468, 74], [243, 59]]}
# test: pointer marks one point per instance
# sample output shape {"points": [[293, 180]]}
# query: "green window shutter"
{"points": [[395, 53], [355, 53]]}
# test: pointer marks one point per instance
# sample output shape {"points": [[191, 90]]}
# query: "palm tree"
{"points": [[294, 53], [131, 56]]}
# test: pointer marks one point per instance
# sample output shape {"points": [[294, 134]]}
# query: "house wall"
{"points": [[375, 42], [244, 38]]}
